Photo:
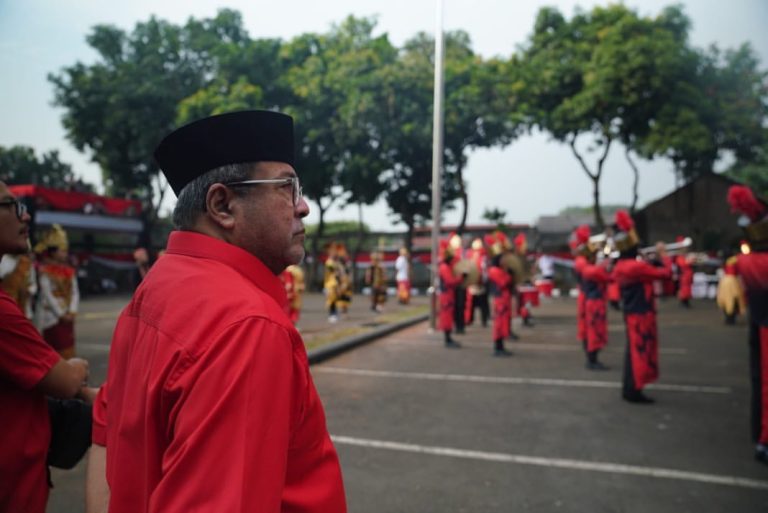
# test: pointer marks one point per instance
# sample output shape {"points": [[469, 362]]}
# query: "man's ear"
{"points": [[218, 205]]}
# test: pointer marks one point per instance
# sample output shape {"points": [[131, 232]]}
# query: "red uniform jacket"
{"points": [[500, 284], [448, 284], [581, 320], [686, 278]]}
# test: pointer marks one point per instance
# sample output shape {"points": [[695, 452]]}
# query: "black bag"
{"points": [[70, 431]]}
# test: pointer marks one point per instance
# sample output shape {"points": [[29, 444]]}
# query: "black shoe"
{"points": [[615, 305], [637, 398], [501, 352], [513, 336], [761, 453], [460, 331], [597, 366], [452, 344]]}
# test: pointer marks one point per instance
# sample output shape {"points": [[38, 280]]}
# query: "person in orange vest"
{"points": [[753, 269], [500, 287], [635, 277], [447, 294]]}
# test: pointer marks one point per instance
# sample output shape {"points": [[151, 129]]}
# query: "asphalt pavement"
{"points": [[422, 428]]}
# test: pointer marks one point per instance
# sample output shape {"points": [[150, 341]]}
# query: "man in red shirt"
{"points": [[30, 369], [209, 404]]}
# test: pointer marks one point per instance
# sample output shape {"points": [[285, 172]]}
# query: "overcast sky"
{"points": [[531, 177]]}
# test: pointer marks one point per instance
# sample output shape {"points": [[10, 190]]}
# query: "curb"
{"points": [[324, 353]]}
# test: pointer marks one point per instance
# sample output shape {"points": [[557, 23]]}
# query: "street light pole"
{"points": [[437, 160]]}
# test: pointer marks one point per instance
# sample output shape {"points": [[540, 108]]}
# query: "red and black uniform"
{"points": [[500, 289], [594, 280], [447, 297], [641, 363], [753, 269], [686, 279], [581, 320]]}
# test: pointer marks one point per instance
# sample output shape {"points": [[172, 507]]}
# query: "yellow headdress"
{"points": [[56, 237]]}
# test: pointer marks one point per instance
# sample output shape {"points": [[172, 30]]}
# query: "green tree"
{"points": [[718, 105], [120, 107], [602, 76], [20, 165]]}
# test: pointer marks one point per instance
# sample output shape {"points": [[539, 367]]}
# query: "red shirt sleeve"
{"points": [[446, 275], [25, 358], [595, 273], [99, 426], [231, 422]]}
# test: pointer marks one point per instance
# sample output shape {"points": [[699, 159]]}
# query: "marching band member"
{"points": [[685, 273], [635, 278], [447, 294], [521, 250], [59, 295], [500, 289], [375, 278], [331, 284], [403, 277], [730, 294], [753, 269], [293, 279], [594, 280], [477, 292], [459, 305], [19, 280], [343, 277], [580, 239]]}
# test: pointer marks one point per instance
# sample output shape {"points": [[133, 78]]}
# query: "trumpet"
{"points": [[673, 248]]}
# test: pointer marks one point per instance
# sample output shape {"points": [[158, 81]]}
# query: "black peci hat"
{"points": [[231, 138]]}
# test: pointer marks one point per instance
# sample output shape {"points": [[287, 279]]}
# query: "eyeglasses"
{"points": [[296, 193], [21, 208]]}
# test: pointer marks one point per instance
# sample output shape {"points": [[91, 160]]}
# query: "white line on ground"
{"points": [[506, 380], [536, 346], [611, 468]]}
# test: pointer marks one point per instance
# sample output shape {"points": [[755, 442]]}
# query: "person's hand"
{"points": [[69, 317], [88, 394], [80, 364]]}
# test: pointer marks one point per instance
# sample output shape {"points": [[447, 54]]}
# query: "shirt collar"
{"points": [[203, 246]]}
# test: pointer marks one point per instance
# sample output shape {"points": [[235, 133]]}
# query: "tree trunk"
{"points": [[464, 200], [358, 245], [635, 182], [316, 245], [595, 177]]}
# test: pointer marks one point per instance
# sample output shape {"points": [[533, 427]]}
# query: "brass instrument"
{"points": [[515, 265], [673, 248], [470, 268]]}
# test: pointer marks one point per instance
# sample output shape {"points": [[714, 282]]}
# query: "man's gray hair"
{"points": [[191, 201]]}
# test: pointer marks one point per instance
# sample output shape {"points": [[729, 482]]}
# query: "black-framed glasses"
{"points": [[21, 208], [296, 193]]}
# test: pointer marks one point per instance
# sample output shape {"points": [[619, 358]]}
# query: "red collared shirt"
{"points": [[25, 358], [209, 404]]}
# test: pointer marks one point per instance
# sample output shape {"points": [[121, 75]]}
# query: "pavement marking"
{"points": [[610, 468], [506, 380], [537, 346]]}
